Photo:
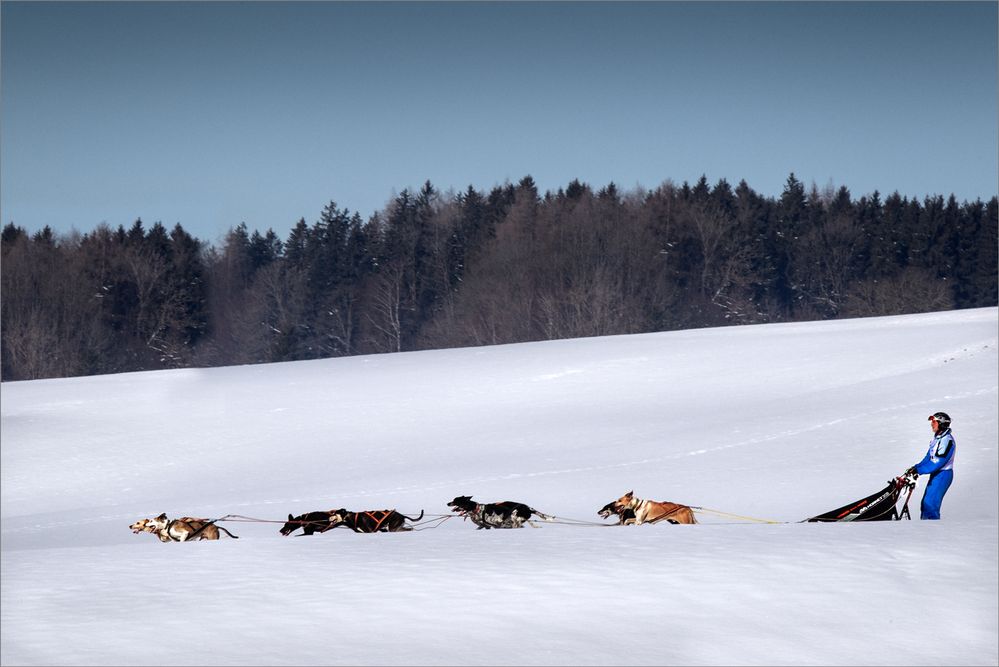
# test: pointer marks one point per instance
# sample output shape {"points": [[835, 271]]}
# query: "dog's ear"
{"points": [[290, 517], [162, 517], [629, 494]]}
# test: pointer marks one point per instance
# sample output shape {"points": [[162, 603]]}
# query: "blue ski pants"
{"points": [[934, 493]]}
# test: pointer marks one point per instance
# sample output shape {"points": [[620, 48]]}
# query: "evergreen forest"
{"points": [[439, 270]]}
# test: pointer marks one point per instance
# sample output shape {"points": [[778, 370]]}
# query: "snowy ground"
{"points": [[776, 422]]}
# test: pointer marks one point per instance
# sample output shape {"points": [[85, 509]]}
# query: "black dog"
{"points": [[625, 517], [506, 514], [374, 521], [310, 522]]}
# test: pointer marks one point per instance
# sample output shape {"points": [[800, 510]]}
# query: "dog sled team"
{"points": [[630, 511]]}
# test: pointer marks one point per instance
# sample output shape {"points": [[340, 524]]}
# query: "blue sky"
{"points": [[212, 114]]}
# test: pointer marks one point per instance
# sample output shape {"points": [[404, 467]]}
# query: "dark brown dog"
{"points": [[310, 522], [373, 521]]}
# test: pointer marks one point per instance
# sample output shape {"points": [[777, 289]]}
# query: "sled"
{"points": [[880, 506]]}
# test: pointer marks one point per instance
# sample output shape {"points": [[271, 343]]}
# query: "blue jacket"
{"points": [[940, 455]]}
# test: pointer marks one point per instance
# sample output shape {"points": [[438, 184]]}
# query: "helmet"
{"points": [[943, 419]]}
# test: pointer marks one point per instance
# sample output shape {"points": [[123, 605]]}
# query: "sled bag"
{"points": [[880, 506]]}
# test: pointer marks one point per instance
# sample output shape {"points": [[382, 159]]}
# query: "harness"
{"points": [[167, 530], [477, 515], [204, 524], [374, 516]]}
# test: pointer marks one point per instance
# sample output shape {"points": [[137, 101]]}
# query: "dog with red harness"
{"points": [[372, 521]]}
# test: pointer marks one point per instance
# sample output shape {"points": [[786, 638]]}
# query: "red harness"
{"points": [[378, 516]]}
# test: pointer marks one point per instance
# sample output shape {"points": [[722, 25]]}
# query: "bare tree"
{"points": [[32, 345], [385, 313], [277, 321], [914, 290], [51, 326], [710, 227], [592, 305], [147, 271]]}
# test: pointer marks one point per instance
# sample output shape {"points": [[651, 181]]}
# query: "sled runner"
{"points": [[880, 506]]}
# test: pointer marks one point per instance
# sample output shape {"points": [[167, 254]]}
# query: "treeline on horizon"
{"points": [[436, 270]]}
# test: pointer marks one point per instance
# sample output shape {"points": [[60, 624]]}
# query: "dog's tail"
{"points": [[411, 518], [235, 537]]}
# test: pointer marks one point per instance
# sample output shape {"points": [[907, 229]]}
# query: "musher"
{"points": [[938, 464]]}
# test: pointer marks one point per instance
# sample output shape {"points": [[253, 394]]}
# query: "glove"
{"points": [[911, 472]]}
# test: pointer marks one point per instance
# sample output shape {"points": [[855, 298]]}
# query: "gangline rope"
{"points": [[734, 516]]}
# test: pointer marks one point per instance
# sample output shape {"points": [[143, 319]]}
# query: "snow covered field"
{"points": [[777, 422]]}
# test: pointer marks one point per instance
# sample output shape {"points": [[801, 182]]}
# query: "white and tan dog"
{"points": [[180, 530], [651, 511]]}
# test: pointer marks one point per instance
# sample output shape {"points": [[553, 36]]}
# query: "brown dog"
{"points": [[180, 530], [147, 526], [651, 511]]}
